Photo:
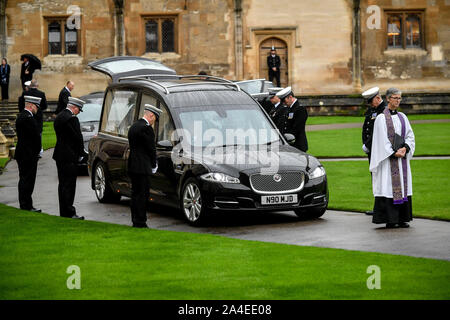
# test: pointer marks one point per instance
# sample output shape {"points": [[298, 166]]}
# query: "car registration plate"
{"points": [[279, 199]]}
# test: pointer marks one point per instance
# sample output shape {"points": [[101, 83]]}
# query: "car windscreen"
{"points": [[91, 112], [251, 87], [226, 125]]}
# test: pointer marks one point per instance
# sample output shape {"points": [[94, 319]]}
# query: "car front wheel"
{"points": [[192, 203]]}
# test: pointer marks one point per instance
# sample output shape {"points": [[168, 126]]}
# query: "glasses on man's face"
{"points": [[396, 98]]}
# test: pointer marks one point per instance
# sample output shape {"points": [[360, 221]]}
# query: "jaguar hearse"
{"points": [[217, 149]]}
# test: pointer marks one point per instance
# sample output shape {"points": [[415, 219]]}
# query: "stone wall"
{"points": [[411, 70]]}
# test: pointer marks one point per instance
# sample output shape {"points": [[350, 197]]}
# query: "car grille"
{"points": [[289, 182]]}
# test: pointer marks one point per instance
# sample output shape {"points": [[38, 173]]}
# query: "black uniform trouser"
{"points": [[5, 95], [140, 192], [67, 177], [27, 179], [275, 74]]}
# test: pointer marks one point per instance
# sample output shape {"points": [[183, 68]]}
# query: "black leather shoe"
{"points": [[35, 210], [77, 217], [369, 213], [391, 225], [403, 225]]}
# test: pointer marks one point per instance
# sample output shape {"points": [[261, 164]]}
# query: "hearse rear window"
{"points": [[118, 114]]}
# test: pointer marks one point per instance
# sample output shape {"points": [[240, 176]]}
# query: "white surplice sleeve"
{"points": [[381, 146], [409, 137]]}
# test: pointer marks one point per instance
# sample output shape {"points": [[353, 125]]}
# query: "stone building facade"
{"points": [[326, 47]]}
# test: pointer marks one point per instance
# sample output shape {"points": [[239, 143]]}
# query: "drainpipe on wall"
{"points": [[356, 44], [238, 39], [3, 27], [119, 38]]}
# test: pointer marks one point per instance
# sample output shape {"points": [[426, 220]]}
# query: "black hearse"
{"points": [[217, 149]]}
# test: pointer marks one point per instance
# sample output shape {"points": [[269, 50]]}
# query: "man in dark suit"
{"points": [[26, 72], [376, 105], [142, 163], [35, 92], [27, 151], [295, 118], [64, 95], [273, 64], [69, 150]]}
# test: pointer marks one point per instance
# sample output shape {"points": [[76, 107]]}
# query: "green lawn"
{"points": [[3, 162], [119, 262], [351, 189], [353, 119], [48, 136], [431, 139]]}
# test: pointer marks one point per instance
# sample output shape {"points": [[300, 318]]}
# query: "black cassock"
{"points": [[294, 122], [26, 73], [68, 151], [27, 152], [140, 163]]}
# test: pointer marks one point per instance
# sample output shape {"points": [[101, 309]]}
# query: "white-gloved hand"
{"points": [[154, 169], [365, 149]]}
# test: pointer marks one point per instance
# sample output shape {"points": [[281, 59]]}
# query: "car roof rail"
{"points": [[146, 78], [214, 80]]}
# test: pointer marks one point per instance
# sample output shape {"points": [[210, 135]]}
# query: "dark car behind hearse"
{"points": [[198, 172]]}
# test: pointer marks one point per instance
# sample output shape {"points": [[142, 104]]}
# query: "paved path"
{"points": [[334, 126], [336, 229], [365, 158]]}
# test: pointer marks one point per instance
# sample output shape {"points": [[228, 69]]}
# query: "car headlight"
{"points": [[317, 173], [219, 177]]}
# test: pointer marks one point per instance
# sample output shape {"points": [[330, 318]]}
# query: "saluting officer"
{"points": [[27, 151], [142, 163], [274, 64], [69, 150], [294, 120], [376, 105]]}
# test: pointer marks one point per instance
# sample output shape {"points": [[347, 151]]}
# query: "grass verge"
{"points": [[118, 262], [351, 187], [431, 139], [360, 119]]}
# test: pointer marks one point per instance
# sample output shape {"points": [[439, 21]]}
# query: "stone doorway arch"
{"points": [[282, 51]]}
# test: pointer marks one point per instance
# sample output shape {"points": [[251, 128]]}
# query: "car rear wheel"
{"points": [[191, 203], [102, 187], [310, 214]]}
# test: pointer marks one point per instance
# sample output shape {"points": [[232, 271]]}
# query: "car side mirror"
{"points": [[290, 138], [164, 144]]}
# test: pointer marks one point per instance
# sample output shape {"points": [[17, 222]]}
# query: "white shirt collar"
{"points": [[70, 111], [148, 123], [277, 104], [293, 103], [30, 112], [67, 89]]}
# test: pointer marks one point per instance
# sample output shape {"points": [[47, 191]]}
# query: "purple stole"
{"points": [[398, 197]]}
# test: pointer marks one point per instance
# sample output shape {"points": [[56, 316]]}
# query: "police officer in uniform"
{"points": [[27, 151], [142, 163], [294, 120], [69, 151], [376, 106], [273, 64]]}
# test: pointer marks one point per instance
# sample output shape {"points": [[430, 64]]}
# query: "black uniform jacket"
{"points": [[142, 148], [294, 123], [278, 114], [69, 140], [43, 106], [369, 121], [28, 137], [63, 99], [273, 62]]}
